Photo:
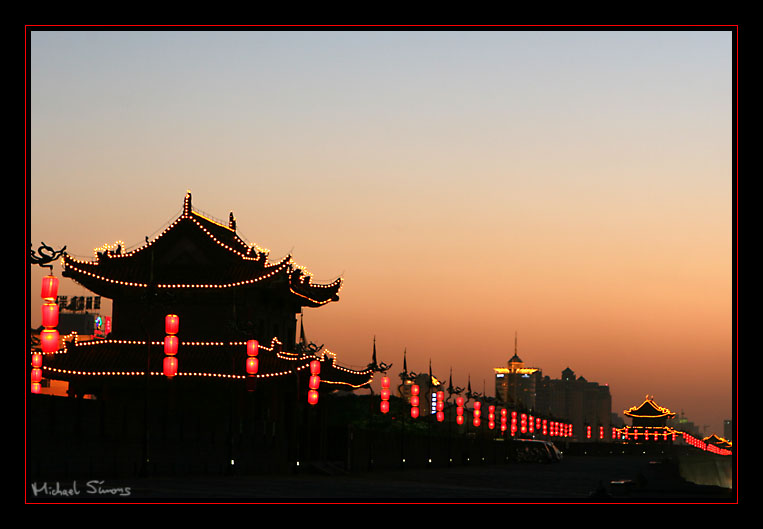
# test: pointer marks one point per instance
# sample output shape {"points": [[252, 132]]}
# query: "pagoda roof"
{"points": [[80, 359], [193, 253], [649, 409], [718, 441]]}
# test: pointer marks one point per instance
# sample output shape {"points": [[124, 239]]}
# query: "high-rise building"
{"points": [[587, 405], [515, 384]]}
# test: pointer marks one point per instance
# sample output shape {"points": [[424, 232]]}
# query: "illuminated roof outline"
{"points": [[718, 441], [649, 409], [246, 265], [79, 359], [515, 364]]}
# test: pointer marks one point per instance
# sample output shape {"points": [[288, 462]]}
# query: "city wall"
{"points": [[70, 438]]}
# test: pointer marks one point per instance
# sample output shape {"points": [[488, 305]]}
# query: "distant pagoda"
{"points": [[718, 441], [224, 291], [649, 422]]}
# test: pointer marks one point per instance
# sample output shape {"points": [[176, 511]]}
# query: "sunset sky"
{"points": [[573, 187]]}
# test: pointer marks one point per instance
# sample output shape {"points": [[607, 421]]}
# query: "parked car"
{"points": [[536, 451]]}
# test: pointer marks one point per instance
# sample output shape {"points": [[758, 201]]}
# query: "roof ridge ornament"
{"points": [[45, 255]]}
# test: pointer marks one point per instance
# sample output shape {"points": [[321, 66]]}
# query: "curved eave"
{"points": [[337, 376], [89, 276], [125, 358], [649, 410], [313, 295], [651, 430]]}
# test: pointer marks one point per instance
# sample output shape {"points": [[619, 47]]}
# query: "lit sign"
{"points": [[102, 325]]}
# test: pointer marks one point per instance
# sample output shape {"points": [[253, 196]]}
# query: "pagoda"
{"points": [[649, 422], [718, 441], [225, 293]]}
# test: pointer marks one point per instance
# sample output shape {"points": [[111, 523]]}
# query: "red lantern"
{"points": [[170, 345], [49, 340], [36, 375], [312, 394], [36, 387], [252, 347], [315, 367], [49, 288], [36, 360], [459, 419], [415, 401], [252, 365], [440, 416], [477, 412], [171, 323], [385, 393], [170, 366], [49, 315]]}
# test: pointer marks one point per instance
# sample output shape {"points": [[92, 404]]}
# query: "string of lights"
{"points": [[113, 251], [274, 348]]}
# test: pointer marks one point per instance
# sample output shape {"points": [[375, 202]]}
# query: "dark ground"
{"points": [[576, 479]]}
